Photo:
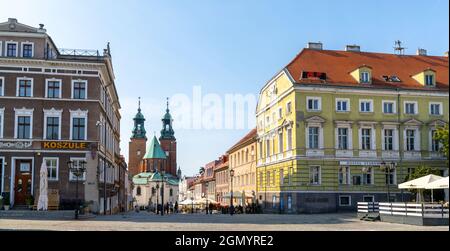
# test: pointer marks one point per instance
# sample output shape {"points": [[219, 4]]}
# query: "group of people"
{"points": [[252, 208]]}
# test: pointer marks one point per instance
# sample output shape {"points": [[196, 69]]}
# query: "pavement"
{"points": [[144, 221]]}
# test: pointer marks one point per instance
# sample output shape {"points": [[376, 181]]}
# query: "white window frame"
{"points": [[57, 167], [1, 52], [349, 136], [433, 82], [416, 138], [288, 138], [395, 145], [2, 89], [372, 176], [430, 137], [372, 138], [320, 136], [347, 100], [2, 121], [394, 106], [361, 78], [441, 107], [53, 80], [52, 113], [18, 86], [319, 104], [280, 141], [288, 107], [416, 107], [366, 100], [349, 200], [23, 112], [86, 88], [73, 177], [22, 46], [348, 175], [79, 114], [320, 175], [6, 48]]}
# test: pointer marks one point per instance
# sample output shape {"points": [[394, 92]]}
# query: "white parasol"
{"points": [[43, 189]]}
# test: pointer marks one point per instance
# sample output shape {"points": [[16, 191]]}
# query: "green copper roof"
{"points": [[154, 150], [167, 131], [143, 178], [139, 120]]}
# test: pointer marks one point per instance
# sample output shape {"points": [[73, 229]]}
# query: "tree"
{"points": [[420, 172], [442, 136]]}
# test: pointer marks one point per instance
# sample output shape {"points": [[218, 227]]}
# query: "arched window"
{"points": [[171, 192], [138, 191]]}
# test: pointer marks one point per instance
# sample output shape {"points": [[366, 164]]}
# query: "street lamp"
{"points": [[157, 199], [231, 192], [388, 167], [77, 171], [192, 208]]}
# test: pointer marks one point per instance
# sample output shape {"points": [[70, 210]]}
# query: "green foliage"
{"points": [[442, 136], [423, 171]]}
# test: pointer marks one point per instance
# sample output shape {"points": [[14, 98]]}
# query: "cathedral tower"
{"points": [[137, 145], [168, 142]]}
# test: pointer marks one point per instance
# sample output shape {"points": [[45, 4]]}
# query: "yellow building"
{"points": [[331, 122], [242, 159]]}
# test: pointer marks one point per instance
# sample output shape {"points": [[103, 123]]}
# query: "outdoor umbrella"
{"points": [[43, 187], [438, 184], [420, 183]]}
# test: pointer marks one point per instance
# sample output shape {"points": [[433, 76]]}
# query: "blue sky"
{"points": [[165, 47]]}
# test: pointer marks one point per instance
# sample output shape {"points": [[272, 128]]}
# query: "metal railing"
{"points": [[79, 52], [424, 210]]}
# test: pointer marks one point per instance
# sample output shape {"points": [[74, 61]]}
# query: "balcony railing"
{"points": [[79, 52]]}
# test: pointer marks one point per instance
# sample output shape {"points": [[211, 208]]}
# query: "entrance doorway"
{"points": [[23, 181]]}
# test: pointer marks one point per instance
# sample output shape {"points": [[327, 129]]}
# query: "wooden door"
{"points": [[22, 185]]}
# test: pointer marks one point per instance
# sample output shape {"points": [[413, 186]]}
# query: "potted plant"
{"points": [[29, 201], [6, 202]]}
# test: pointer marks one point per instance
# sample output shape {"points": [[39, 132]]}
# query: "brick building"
{"points": [[56, 105]]}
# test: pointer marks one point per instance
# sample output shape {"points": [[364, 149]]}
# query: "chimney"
{"points": [[354, 47], [41, 28], [421, 52], [315, 45]]}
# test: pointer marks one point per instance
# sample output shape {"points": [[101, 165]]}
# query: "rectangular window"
{"points": [[281, 177], [261, 179], [288, 108], [410, 108], [52, 128], [1, 123], [27, 50], [77, 163], [78, 128], [2, 85], [388, 139], [52, 168], [366, 138], [429, 80], [357, 180], [365, 77], [391, 177], [289, 138], [410, 140], [280, 113], [313, 104], [25, 88], [291, 172], [268, 178], [388, 107], [313, 135], [79, 90], [435, 147], [267, 147], [368, 176], [365, 106], [344, 175], [280, 142], [345, 201], [53, 89], [314, 175], [435, 109], [342, 105], [11, 49], [24, 127], [343, 138]]}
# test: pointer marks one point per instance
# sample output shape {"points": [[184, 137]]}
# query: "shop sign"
{"points": [[359, 163], [65, 145], [15, 144]]}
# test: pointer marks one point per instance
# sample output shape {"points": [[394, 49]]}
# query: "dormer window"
{"points": [[429, 80], [363, 74], [365, 77]]}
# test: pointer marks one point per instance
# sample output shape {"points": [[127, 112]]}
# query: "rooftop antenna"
{"points": [[399, 50]]}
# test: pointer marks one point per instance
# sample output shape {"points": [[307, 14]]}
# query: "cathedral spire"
{"points": [[167, 130], [139, 129]]}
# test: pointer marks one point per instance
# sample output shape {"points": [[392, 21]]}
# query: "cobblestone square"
{"points": [[144, 221]]}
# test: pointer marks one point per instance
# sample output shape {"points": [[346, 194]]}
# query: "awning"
{"points": [[420, 183], [438, 184]]}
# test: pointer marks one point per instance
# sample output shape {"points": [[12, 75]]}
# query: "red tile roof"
{"points": [[338, 64], [250, 135]]}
